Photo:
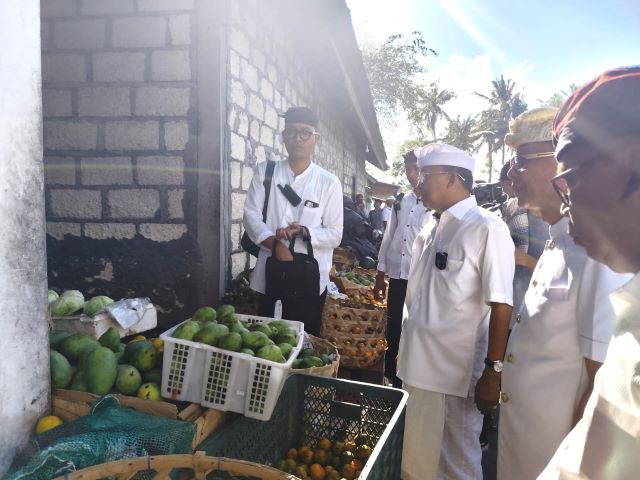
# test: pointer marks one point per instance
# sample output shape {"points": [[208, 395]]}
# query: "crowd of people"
{"points": [[535, 308]]}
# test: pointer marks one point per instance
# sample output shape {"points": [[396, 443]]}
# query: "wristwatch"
{"points": [[495, 365]]}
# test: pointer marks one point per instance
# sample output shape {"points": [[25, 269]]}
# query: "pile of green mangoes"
{"points": [[361, 279], [72, 302], [308, 358], [80, 362], [221, 328]]}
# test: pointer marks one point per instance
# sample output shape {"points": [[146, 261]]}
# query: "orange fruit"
{"points": [[363, 452], [350, 446], [305, 456], [357, 464], [337, 448], [47, 423], [320, 456], [292, 453], [348, 471], [301, 472], [317, 472], [325, 444]]}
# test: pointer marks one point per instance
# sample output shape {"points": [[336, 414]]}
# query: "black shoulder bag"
{"points": [[297, 279], [245, 242]]}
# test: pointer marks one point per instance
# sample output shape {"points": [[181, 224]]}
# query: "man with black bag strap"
{"points": [[302, 226]]}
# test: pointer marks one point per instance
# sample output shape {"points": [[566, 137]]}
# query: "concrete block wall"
{"points": [[265, 76], [118, 109], [119, 142]]}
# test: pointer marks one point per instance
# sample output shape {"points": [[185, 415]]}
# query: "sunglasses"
{"points": [[520, 161], [303, 134]]}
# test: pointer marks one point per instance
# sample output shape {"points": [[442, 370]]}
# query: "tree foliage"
{"points": [[394, 69], [557, 99], [428, 109]]}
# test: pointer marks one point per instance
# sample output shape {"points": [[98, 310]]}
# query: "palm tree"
{"points": [[557, 99], [429, 108], [462, 133], [504, 104]]}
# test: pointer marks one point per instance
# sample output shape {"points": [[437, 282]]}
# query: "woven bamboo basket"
{"points": [[163, 465], [359, 333], [320, 345]]}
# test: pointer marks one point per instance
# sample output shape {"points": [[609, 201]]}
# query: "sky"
{"points": [[542, 45]]}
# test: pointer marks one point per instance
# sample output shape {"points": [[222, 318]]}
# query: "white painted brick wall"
{"points": [[164, 5], [175, 198], [104, 102], [238, 263], [63, 67], [106, 171], [176, 135], [133, 203], [132, 135], [103, 231], [56, 103], [76, 203], [180, 30], [236, 174], [237, 205], [238, 95], [238, 147], [256, 106], [58, 8], [249, 75], [59, 229], [118, 66], [162, 101], [59, 171], [170, 65], [80, 34], [103, 7], [243, 123], [162, 232], [240, 43], [68, 135], [234, 63], [156, 170], [139, 32]]}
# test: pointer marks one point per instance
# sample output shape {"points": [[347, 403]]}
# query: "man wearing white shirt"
{"points": [[408, 217], [317, 217], [386, 211], [456, 321], [597, 143], [564, 324]]}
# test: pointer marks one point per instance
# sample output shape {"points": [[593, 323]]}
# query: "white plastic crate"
{"points": [[225, 380]]}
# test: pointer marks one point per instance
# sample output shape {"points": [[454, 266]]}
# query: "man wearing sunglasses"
{"points": [[564, 323], [305, 201], [456, 321], [597, 143]]}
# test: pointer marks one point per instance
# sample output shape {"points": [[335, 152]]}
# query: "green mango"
{"points": [[187, 330], [254, 340], [272, 353], [79, 382], [110, 339], [73, 345], [56, 337], [313, 362], [60, 368], [128, 379], [101, 370], [204, 314], [231, 341], [153, 375], [141, 354]]}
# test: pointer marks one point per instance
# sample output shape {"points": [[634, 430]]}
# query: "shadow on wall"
{"points": [[164, 272]]}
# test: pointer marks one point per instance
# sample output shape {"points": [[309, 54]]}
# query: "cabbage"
{"points": [[52, 296], [66, 304], [73, 293], [96, 304]]}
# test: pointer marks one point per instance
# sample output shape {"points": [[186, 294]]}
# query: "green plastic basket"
{"points": [[312, 407]]}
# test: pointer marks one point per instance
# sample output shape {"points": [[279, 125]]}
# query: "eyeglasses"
{"points": [[303, 134], [562, 182], [520, 161], [422, 176]]}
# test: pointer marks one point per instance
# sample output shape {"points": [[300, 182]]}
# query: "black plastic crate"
{"points": [[312, 407]]}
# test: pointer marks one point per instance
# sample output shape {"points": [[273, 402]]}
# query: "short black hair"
{"points": [[466, 176], [410, 156], [504, 171]]}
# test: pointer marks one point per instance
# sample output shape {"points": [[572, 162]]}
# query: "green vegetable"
{"points": [[67, 303], [52, 296], [96, 304]]}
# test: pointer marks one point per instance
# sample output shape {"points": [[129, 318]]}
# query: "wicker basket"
{"points": [[162, 465], [359, 333], [320, 345]]}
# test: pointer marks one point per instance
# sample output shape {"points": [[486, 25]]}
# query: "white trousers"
{"points": [[441, 437]]}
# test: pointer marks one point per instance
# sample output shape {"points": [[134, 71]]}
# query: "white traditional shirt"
{"points": [[320, 211], [394, 257], [565, 317], [446, 317], [605, 444], [386, 214]]}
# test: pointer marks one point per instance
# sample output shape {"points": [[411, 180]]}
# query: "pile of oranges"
{"points": [[329, 460]]}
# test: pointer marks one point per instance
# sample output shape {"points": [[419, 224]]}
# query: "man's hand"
{"points": [[380, 288], [292, 230], [282, 252], [487, 394]]}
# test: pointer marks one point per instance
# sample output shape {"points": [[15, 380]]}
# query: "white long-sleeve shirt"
{"points": [[394, 257], [320, 211]]}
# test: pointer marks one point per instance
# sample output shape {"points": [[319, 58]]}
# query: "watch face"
{"points": [[497, 366]]}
